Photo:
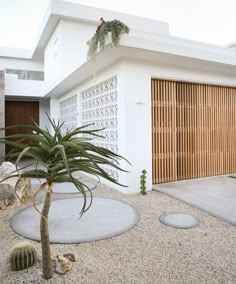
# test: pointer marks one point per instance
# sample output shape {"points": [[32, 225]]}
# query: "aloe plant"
{"points": [[56, 157]]}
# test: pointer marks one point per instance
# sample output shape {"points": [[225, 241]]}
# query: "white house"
{"points": [[167, 103]]}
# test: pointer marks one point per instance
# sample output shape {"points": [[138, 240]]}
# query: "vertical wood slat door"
{"points": [[164, 131], [194, 130]]}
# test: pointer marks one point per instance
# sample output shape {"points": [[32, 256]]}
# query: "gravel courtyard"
{"points": [[149, 253]]}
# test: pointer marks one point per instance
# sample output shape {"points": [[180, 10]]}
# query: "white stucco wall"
{"points": [[137, 120], [74, 36], [66, 49], [25, 88], [54, 109], [134, 108], [52, 57], [21, 64], [44, 107], [92, 14], [136, 78]]}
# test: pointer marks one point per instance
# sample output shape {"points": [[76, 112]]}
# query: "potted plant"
{"points": [[60, 155], [116, 28]]}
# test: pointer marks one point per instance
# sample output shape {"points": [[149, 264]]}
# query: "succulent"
{"points": [[22, 256], [143, 178]]}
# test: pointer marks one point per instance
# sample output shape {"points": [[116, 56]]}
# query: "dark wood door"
{"points": [[19, 112]]}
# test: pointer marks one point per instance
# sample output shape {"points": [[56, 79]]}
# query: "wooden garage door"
{"points": [[193, 130], [19, 112]]}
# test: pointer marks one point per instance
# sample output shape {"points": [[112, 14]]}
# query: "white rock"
{"points": [[62, 264], [7, 168]]}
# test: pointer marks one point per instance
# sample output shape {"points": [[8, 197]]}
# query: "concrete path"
{"points": [[214, 195], [106, 218]]}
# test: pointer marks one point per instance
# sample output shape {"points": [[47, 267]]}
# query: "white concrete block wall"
{"points": [[98, 78]]}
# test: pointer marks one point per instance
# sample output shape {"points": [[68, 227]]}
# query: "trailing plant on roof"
{"points": [[59, 155], [98, 41]]}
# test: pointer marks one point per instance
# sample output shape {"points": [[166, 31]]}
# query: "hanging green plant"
{"points": [[98, 41]]}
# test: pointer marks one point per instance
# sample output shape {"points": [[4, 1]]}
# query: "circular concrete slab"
{"points": [[35, 181], [65, 187], [68, 187], [38, 181], [179, 220], [106, 218]]}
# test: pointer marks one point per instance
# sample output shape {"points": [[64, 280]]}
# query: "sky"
{"points": [[210, 21]]}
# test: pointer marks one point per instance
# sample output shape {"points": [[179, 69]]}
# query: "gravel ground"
{"points": [[149, 253]]}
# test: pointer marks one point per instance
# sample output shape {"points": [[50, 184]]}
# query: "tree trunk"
{"points": [[45, 242]]}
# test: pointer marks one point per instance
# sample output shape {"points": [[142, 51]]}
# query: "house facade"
{"points": [[166, 103]]}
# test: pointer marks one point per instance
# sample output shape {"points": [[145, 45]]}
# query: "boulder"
{"points": [[7, 195], [23, 188]]}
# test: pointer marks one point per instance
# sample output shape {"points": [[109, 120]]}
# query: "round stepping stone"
{"points": [[68, 187], [179, 220], [35, 181], [106, 218]]}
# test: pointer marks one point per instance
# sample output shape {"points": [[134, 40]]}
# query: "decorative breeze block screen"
{"points": [[99, 107], [69, 113]]}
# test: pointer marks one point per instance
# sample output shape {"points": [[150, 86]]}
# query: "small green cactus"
{"points": [[143, 178], [22, 256]]}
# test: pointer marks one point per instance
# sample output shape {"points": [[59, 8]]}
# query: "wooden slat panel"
{"points": [[164, 131], [193, 130]]}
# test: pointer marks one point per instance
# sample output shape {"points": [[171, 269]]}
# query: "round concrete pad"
{"points": [[35, 181], [106, 218], [179, 220], [38, 181], [68, 187], [65, 187]]}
